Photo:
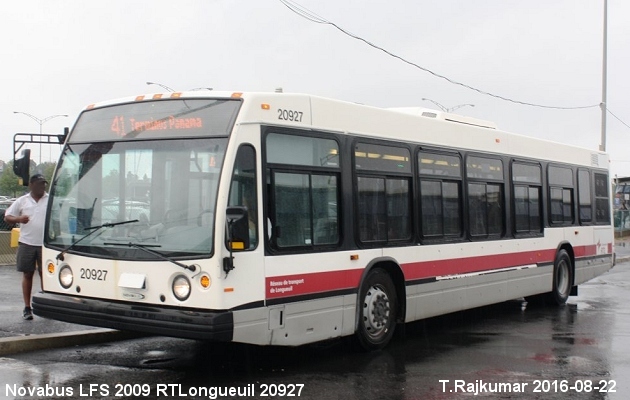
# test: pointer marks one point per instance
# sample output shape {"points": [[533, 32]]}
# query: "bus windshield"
{"points": [[163, 188], [168, 186]]}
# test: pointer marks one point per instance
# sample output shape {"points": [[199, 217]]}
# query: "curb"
{"points": [[22, 344], [621, 259]]}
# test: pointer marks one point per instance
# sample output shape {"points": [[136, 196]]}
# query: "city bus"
{"points": [[286, 219]]}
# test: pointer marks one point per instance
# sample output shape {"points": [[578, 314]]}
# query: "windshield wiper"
{"points": [[144, 247], [94, 229]]}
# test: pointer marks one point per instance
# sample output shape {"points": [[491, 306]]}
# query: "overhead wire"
{"points": [[618, 119], [313, 17]]}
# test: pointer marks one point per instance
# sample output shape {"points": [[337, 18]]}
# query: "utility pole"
{"points": [[602, 144]]}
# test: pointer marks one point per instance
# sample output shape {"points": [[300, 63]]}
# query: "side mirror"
{"points": [[237, 222], [238, 228], [22, 166]]}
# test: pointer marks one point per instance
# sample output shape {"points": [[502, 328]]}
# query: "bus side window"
{"points": [[243, 189]]}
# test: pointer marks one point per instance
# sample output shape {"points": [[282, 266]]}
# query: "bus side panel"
{"points": [[445, 278], [598, 256], [592, 247], [588, 269], [311, 321], [325, 285], [252, 326], [297, 323], [427, 300]]}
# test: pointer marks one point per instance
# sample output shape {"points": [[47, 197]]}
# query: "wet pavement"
{"points": [[13, 328], [531, 350], [11, 306], [523, 351], [18, 335]]}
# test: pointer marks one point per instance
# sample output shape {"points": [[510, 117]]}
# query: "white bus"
{"points": [[285, 219]]}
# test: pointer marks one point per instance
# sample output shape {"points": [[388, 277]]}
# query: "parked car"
{"points": [[132, 210], [3, 225]]}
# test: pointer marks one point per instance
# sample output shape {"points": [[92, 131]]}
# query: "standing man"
{"points": [[30, 211]]}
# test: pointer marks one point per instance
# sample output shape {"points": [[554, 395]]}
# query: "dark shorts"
{"points": [[28, 257]]}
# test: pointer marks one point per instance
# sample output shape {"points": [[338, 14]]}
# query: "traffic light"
{"points": [[22, 166]]}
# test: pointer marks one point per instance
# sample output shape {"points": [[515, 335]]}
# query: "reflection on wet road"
{"points": [[532, 351]]}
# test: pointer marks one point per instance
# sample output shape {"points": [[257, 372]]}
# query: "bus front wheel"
{"points": [[377, 313], [562, 273]]}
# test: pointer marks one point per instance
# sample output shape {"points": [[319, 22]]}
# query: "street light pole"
{"points": [[162, 86], [41, 122], [602, 144], [445, 109]]}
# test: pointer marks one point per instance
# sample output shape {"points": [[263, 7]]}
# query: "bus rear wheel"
{"points": [[377, 314], [562, 274]]}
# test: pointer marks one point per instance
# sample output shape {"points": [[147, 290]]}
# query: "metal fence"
{"points": [[7, 253]]}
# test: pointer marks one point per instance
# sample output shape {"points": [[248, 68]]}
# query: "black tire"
{"points": [[378, 305], [562, 278]]}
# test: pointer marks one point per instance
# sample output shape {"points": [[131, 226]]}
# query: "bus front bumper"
{"points": [[148, 318]]}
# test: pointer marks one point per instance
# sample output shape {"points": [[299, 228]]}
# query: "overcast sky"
{"points": [[59, 56]]}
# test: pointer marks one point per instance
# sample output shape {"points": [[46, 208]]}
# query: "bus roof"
{"points": [[410, 124]]}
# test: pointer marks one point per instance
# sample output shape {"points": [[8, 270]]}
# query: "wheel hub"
{"points": [[376, 311]]}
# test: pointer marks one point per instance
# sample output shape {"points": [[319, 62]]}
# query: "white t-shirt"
{"points": [[32, 232]]}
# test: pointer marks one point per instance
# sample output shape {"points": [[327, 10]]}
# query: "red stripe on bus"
{"points": [[318, 282], [295, 285], [467, 265]]}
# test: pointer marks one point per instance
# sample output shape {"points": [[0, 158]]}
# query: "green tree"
{"points": [[47, 169], [9, 183]]}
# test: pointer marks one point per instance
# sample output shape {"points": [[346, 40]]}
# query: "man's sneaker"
{"points": [[27, 314]]}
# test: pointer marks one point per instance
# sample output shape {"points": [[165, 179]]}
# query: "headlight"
{"points": [[66, 277], [181, 287]]}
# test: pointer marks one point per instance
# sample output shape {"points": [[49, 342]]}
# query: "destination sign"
{"points": [[157, 119], [122, 127]]}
